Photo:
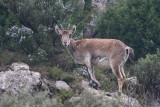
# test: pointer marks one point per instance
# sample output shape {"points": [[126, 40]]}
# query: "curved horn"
{"points": [[61, 26], [68, 26]]}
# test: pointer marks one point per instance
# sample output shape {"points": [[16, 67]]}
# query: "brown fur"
{"points": [[103, 53]]}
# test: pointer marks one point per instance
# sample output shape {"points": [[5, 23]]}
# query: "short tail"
{"points": [[130, 53]]}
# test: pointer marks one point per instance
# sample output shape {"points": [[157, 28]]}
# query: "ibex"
{"points": [[103, 53]]}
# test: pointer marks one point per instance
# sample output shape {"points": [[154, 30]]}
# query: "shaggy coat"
{"points": [[103, 53]]}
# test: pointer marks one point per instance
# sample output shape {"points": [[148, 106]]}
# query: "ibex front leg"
{"points": [[91, 73]]}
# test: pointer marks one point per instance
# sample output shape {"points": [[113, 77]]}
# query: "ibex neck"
{"points": [[71, 48]]}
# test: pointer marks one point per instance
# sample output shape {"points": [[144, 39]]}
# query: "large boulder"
{"points": [[62, 85], [20, 78], [98, 7]]}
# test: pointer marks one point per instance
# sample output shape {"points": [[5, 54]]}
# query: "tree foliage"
{"points": [[40, 42], [135, 22]]}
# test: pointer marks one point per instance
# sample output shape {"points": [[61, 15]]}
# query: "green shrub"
{"points": [[68, 78], [89, 100], [99, 74], [147, 70], [55, 73], [65, 95], [25, 99], [107, 79], [76, 86], [7, 57]]}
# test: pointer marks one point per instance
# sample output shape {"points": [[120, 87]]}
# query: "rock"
{"points": [[19, 66], [100, 4], [124, 100], [98, 7], [74, 99], [21, 78], [132, 84], [132, 80], [62, 85], [90, 29]]}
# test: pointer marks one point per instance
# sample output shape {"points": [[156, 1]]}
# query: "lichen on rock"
{"points": [[19, 77]]}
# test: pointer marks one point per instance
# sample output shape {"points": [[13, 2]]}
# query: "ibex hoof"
{"points": [[119, 93], [93, 84]]}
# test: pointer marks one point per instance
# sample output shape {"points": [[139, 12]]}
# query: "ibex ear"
{"points": [[57, 30], [73, 29]]}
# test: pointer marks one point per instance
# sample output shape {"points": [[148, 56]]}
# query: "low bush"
{"points": [[55, 73], [89, 100], [147, 71], [25, 99], [107, 79], [68, 78], [64, 95], [8, 57], [76, 86]]}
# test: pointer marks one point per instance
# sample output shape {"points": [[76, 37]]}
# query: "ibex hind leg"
{"points": [[122, 72], [116, 70]]}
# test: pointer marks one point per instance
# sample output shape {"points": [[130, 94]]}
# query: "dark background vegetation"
{"points": [[27, 34]]}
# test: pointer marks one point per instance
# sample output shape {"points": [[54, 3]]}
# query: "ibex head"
{"points": [[66, 34]]}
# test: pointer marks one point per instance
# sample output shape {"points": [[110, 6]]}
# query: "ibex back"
{"points": [[103, 53]]}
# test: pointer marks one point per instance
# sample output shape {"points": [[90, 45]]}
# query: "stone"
{"points": [[90, 29], [100, 4], [74, 99], [19, 66], [62, 85], [124, 100], [21, 78], [132, 80]]}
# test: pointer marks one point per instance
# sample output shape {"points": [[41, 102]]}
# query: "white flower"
{"points": [[7, 33], [21, 39], [14, 35], [15, 32], [29, 55]]}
